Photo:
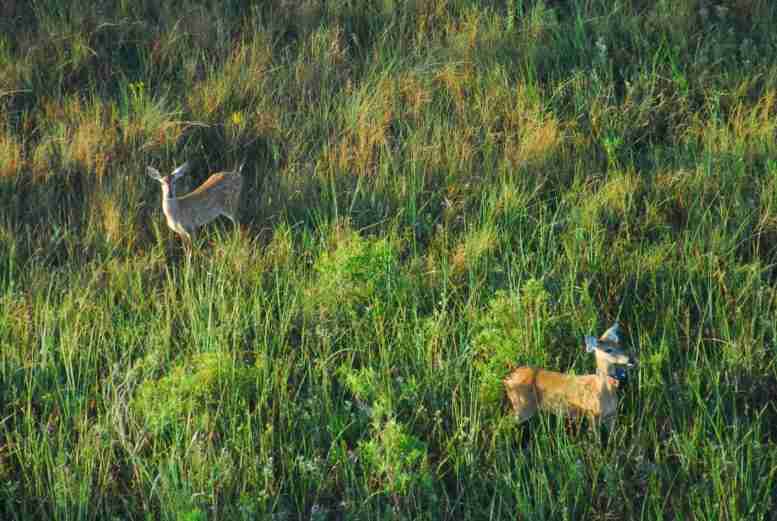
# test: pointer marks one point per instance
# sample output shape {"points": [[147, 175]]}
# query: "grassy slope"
{"points": [[436, 191]]}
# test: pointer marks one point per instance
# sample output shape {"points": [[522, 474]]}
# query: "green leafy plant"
{"points": [[512, 331], [356, 277], [395, 462], [194, 391]]}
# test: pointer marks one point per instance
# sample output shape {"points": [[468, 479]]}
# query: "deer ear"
{"points": [[591, 343], [153, 173], [611, 335], [181, 170]]}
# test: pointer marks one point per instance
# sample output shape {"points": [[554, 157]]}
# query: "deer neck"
{"points": [[603, 373], [169, 201]]}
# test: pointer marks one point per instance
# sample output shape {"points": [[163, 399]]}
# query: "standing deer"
{"points": [[218, 195], [593, 395]]}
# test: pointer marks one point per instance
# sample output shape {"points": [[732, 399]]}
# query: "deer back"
{"points": [[219, 194]]}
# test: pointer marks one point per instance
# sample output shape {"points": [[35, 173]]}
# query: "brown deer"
{"points": [[593, 395], [218, 195]]}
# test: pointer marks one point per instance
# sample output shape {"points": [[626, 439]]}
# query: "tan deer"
{"points": [[593, 395], [218, 195]]}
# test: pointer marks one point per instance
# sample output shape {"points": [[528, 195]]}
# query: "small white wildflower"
{"points": [[267, 469], [282, 515], [601, 46]]}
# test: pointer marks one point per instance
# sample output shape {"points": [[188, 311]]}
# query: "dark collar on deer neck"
{"points": [[617, 376]]}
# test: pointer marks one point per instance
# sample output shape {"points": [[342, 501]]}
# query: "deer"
{"points": [[593, 396], [218, 195]]}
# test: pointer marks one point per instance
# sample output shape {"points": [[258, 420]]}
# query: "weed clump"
{"points": [[512, 332], [193, 392], [356, 277], [396, 462]]}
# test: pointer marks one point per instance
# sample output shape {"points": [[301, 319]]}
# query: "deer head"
{"points": [[610, 358], [168, 181]]}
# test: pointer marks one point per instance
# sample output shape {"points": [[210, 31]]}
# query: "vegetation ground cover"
{"points": [[435, 193]]}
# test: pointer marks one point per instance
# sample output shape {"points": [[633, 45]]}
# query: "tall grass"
{"points": [[436, 192]]}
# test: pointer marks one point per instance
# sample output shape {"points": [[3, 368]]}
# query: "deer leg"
{"points": [[237, 230], [231, 217], [234, 221], [188, 243], [524, 400]]}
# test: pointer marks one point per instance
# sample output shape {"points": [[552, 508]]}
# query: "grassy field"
{"points": [[436, 192]]}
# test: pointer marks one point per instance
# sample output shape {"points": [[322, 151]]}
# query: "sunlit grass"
{"points": [[435, 193]]}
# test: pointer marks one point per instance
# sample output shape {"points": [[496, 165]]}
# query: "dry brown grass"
{"points": [[749, 129], [10, 156], [235, 83], [475, 246]]}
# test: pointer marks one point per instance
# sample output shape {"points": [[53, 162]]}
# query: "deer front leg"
{"points": [[187, 241], [524, 402], [608, 421], [522, 394]]}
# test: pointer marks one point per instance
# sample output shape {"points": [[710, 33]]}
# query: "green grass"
{"points": [[435, 192]]}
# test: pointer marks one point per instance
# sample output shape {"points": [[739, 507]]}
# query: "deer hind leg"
{"points": [[231, 207], [236, 231]]}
